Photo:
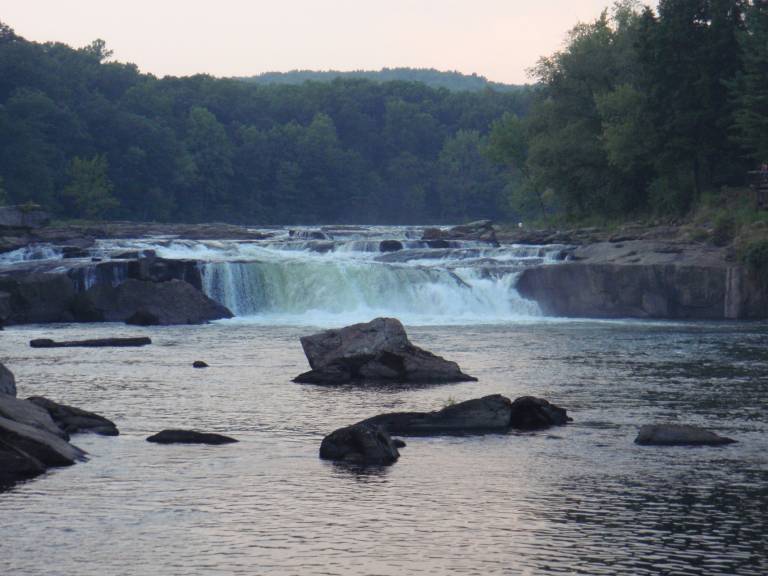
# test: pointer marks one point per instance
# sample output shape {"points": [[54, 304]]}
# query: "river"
{"points": [[581, 499]]}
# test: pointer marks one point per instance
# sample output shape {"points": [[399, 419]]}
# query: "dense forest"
{"points": [[455, 81], [91, 138], [642, 112], [645, 112]]}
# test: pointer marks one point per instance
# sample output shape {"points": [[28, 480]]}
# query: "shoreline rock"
{"points": [[74, 420], [375, 351]]}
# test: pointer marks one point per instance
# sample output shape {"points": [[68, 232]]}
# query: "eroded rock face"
{"points": [[7, 381], [479, 231], [189, 437], [74, 420], [679, 435], [362, 443], [163, 303], [376, 351]]}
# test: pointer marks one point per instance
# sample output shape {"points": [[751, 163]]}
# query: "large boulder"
{"points": [[487, 414], [7, 381], [478, 231], [28, 413], [189, 437], [679, 435], [361, 443], [36, 297], [172, 302], [74, 420], [495, 413], [376, 351]]}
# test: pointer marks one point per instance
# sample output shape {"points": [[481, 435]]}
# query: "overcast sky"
{"points": [[499, 39]]}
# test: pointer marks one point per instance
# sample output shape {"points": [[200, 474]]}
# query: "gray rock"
{"points": [[679, 435], [189, 437], [74, 420], [199, 364], [28, 413], [172, 302], [41, 445], [7, 381], [376, 351], [23, 217], [361, 443], [37, 297], [95, 343]]}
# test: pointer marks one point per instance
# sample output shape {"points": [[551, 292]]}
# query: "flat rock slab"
{"points": [[376, 351], [679, 435], [74, 420], [189, 437], [361, 443], [97, 343]]}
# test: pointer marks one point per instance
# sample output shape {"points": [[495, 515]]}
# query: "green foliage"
{"points": [[724, 230], [755, 257], [89, 194], [200, 148]]}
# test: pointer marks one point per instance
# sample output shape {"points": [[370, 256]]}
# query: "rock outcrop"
{"points": [[74, 420], [366, 444], [495, 413], [7, 381], [679, 435], [23, 217], [479, 231], [172, 302], [189, 437], [376, 351], [96, 343], [30, 414], [646, 279]]}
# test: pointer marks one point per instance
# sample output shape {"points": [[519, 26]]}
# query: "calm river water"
{"points": [[581, 499]]}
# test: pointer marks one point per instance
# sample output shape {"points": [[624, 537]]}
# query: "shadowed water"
{"points": [[581, 499]]}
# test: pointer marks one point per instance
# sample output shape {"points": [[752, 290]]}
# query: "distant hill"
{"points": [[454, 81]]}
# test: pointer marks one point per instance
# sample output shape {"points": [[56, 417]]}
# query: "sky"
{"points": [[499, 39]]}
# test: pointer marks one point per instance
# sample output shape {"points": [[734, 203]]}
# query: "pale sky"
{"points": [[499, 39]]}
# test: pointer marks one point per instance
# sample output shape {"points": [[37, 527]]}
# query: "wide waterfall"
{"points": [[343, 275]]}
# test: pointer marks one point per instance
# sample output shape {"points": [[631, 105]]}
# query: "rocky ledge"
{"points": [[646, 278], [376, 351]]}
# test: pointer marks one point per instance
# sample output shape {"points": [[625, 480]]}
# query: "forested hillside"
{"points": [[645, 112], [91, 138], [455, 81]]}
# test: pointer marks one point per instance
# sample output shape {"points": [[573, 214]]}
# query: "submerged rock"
{"points": [[146, 302], [74, 420], [679, 435], [376, 351], [7, 381], [95, 343], [199, 364], [361, 443], [189, 437]]}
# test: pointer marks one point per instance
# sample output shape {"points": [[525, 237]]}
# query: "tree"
{"points": [[89, 193]]}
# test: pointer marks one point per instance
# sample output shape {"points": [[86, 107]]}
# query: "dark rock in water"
{"points": [[7, 381], [172, 302], [376, 351], [75, 420], [189, 437], [27, 451], [360, 444], [143, 317], [438, 244], [36, 297], [479, 231], [399, 443], [487, 414], [199, 364], [679, 435], [96, 343], [68, 252], [26, 412], [308, 235], [531, 413], [390, 245]]}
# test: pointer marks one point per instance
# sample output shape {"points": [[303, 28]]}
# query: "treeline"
{"points": [[90, 138], [644, 111], [455, 81]]}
